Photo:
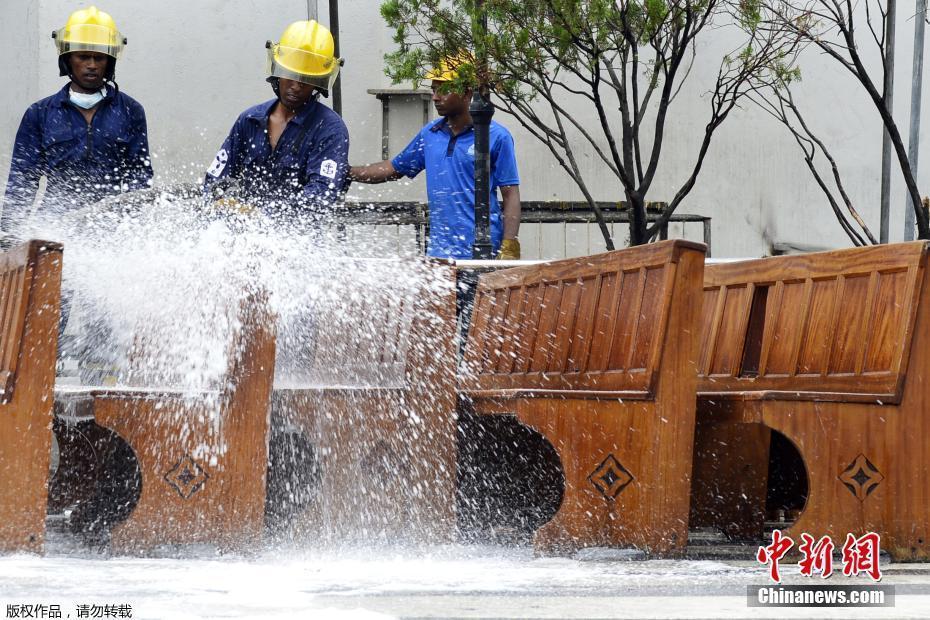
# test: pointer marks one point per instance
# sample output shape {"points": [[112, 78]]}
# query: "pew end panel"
{"points": [[30, 306], [188, 464], [598, 355], [829, 350], [385, 452]]}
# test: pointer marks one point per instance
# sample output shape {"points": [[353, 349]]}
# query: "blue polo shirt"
{"points": [[449, 162]]}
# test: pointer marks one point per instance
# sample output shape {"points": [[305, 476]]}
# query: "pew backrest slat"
{"points": [[17, 275], [837, 323]]}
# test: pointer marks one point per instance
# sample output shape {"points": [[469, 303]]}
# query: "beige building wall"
{"points": [[195, 65]]}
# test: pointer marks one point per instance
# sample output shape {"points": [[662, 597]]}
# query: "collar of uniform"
{"points": [[63, 98], [443, 125], [260, 112]]}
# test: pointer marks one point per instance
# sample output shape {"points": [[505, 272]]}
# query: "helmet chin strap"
{"points": [[275, 85]]}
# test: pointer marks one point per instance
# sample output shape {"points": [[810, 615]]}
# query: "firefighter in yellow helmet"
{"points": [[89, 140], [445, 149], [288, 156]]}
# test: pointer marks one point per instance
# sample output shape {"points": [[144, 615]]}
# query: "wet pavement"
{"points": [[434, 582]]}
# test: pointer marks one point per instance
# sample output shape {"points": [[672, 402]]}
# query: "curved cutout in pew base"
{"points": [[98, 482], [510, 480], [788, 479], [744, 477]]}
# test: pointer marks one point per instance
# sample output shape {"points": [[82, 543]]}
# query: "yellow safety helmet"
{"points": [[89, 30], [448, 68], [305, 53]]}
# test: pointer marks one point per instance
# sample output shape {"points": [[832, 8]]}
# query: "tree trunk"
{"points": [[637, 207]]}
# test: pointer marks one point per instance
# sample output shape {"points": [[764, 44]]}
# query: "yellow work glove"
{"points": [[510, 250], [232, 206]]}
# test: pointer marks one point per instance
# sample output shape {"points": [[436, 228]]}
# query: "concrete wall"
{"points": [[19, 42], [196, 65]]}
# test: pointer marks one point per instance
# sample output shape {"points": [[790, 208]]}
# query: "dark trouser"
{"points": [[67, 296], [466, 287], [93, 346]]}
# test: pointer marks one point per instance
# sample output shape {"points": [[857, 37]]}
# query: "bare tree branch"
{"points": [[845, 52], [626, 59]]}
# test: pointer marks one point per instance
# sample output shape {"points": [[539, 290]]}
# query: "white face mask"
{"points": [[86, 100]]}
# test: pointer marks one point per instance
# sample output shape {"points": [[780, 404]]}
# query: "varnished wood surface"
{"points": [[30, 300], [557, 334], [851, 392], [534, 329], [730, 474], [201, 454], [386, 456], [834, 322]]}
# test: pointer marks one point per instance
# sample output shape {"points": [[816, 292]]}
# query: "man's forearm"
{"points": [[374, 173], [511, 211]]}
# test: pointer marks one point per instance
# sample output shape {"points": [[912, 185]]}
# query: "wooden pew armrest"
{"points": [[76, 404], [503, 401], [828, 397], [297, 391]]}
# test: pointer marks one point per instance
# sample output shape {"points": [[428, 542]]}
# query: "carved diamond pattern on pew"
{"points": [[861, 477], [187, 477], [610, 477]]}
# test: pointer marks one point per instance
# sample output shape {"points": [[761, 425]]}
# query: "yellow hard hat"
{"points": [[90, 30], [448, 67], [305, 53]]}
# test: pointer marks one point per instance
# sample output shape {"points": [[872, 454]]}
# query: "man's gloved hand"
{"points": [[223, 199], [510, 250], [231, 206]]}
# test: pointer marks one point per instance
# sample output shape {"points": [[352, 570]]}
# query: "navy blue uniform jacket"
{"points": [[306, 171], [82, 162]]}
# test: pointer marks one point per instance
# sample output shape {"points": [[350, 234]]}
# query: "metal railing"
{"points": [[416, 214]]}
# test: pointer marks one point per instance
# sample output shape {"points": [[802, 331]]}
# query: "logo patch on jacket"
{"points": [[328, 169], [219, 163]]}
